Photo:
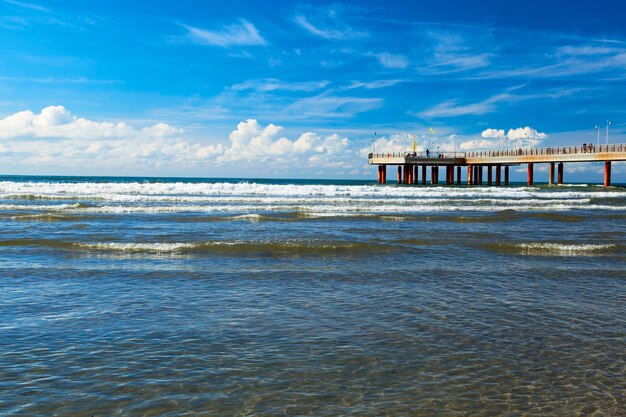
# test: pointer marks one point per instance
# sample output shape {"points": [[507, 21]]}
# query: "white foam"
{"points": [[137, 247], [183, 190], [566, 248]]}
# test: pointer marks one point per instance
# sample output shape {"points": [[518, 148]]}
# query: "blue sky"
{"points": [[288, 89]]}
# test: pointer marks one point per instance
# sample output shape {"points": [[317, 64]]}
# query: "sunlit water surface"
{"points": [[146, 297]]}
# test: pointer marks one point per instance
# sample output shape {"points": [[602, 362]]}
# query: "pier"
{"points": [[485, 163]]}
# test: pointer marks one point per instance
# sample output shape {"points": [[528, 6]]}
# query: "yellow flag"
{"points": [[431, 130], [413, 143]]}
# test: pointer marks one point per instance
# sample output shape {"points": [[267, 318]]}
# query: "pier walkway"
{"points": [[410, 163]]}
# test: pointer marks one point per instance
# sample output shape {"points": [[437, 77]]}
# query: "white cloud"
{"points": [[332, 106], [388, 60], [31, 6], [525, 132], [526, 136], [493, 133], [253, 142], [372, 85], [58, 122], [272, 84], [242, 34], [452, 108], [343, 32]]}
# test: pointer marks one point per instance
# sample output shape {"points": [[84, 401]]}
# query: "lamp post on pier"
{"points": [[608, 123]]}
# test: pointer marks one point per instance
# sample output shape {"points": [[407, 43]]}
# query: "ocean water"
{"points": [[171, 297]]}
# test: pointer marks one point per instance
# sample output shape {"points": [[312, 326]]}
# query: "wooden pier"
{"points": [[411, 164]]}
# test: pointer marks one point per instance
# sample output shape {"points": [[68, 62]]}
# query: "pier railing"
{"points": [[557, 150], [416, 155]]}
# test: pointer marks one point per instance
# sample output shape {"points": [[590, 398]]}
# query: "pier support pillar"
{"points": [[489, 174], [448, 169], [559, 177], [423, 174], [470, 170], [480, 175], [399, 174], [415, 174], [384, 171], [451, 174], [407, 174], [434, 175], [458, 175], [530, 173], [380, 174], [551, 174], [498, 174], [607, 173], [506, 175], [475, 177]]}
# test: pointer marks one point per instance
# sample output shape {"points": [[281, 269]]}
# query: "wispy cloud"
{"points": [[30, 6], [388, 60], [327, 23], [452, 108], [272, 84], [373, 85], [454, 52], [329, 106], [52, 80], [243, 33]]}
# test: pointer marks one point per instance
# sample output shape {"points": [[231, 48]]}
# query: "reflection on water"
{"points": [[345, 300]]}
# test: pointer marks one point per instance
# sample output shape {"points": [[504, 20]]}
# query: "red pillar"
{"points": [[498, 174], [559, 178], [399, 174], [384, 172], [423, 174], [380, 175], [607, 173], [489, 174], [506, 175], [551, 173], [458, 175], [530, 174], [470, 168]]}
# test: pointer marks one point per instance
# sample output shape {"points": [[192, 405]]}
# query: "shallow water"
{"points": [[224, 297]]}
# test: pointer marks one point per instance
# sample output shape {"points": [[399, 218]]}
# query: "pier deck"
{"points": [[476, 160]]}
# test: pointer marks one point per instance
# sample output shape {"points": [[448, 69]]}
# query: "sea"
{"points": [[252, 297]]}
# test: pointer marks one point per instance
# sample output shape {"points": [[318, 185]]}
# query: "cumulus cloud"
{"points": [[525, 132], [58, 122], [56, 139], [251, 141], [493, 133]]}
